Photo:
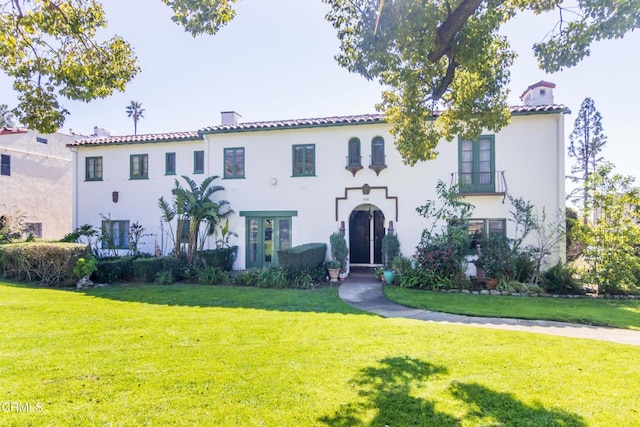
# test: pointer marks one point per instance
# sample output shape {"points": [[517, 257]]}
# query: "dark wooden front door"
{"points": [[360, 237]]}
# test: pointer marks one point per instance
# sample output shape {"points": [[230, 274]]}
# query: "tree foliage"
{"points": [[612, 242], [444, 64], [586, 142], [6, 116], [51, 51]]}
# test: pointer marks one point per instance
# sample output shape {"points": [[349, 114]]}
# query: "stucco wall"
{"points": [[530, 151], [41, 181]]}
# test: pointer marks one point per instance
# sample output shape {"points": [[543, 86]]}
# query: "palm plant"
{"points": [[195, 204], [135, 110]]}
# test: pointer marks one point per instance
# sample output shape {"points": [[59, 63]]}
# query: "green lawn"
{"points": [[601, 312], [196, 355]]}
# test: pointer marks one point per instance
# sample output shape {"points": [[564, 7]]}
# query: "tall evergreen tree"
{"points": [[586, 142], [135, 110]]}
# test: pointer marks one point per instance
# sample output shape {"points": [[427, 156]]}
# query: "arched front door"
{"points": [[366, 229]]}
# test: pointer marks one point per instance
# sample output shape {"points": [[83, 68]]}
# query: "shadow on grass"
{"points": [[387, 398], [323, 299]]}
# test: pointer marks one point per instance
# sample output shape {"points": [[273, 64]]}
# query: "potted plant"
{"points": [[390, 250], [339, 251], [333, 267]]}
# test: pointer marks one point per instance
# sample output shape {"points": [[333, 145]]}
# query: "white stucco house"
{"points": [[36, 181], [292, 182]]}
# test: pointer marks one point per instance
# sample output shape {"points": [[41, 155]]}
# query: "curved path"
{"points": [[362, 291]]}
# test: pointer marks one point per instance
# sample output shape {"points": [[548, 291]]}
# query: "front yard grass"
{"points": [[616, 313], [197, 355]]}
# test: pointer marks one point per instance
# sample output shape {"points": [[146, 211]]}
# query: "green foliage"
{"points": [[111, 270], [164, 277], [401, 264], [85, 267], [272, 278], [390, 249], [6, 117], [525, 267], [611, 243], [332, 264], [559, 279], [307, 256], [196, 205], [136, 232], [212, 276], [222, 258], [496, 258], [51, 51], [12, 229], [53, 264], [246, 278], [145, 269], [339, 249]]}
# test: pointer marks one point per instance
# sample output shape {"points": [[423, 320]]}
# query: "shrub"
{"points": [[164, 277], [390, 249], [496, 258], [85, 267], [112, 270], [307, 256], [441, 257], [246, 278], [524, 266], [272, 278], [223, 258], [177, 267], [339, 250], [145, 269], [559, 280], [51, 263], [212, 276]]}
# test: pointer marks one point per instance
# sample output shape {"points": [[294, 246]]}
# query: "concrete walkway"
{"points": [[363, 291]]}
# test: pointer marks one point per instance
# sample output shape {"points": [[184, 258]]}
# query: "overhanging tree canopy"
{"points": [[433, 56]]}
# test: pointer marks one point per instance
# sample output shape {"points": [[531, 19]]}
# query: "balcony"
{"points": [[480, 183]]}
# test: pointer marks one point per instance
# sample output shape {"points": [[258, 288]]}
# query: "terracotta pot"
{"points": [[333, 274], [491, 284]]}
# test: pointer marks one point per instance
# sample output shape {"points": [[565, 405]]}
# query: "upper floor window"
{"points": [[41, 140], [304, 160], [139, 166], [354, 152], [476, 168], [5, 165], [115, 234], [377, 151], [93, 169], [170, 164], [234, 162], [198, 162]]}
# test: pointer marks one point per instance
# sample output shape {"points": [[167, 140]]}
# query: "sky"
{"points": [[276, 61]]}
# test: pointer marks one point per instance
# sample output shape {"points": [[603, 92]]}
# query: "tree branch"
{"points": [[449, 28]]}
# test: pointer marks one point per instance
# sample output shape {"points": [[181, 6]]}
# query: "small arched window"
{"points": [[354, 152], [377, 151]]}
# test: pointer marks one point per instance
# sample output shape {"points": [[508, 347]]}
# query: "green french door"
{"points": [[265, 236]]}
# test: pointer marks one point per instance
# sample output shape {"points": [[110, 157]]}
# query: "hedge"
{"points": [[50, 263], [114, 270], [222, 258], [303, 257]]}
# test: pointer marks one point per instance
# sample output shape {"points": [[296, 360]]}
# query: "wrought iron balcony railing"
{"points": [[480, 183]]}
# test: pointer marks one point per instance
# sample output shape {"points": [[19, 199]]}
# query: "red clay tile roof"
{"points": [[354, 120], [539, 84], [279, 124], [137, 139], [11, 131]]}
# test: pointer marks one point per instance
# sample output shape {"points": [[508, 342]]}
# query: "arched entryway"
{"points": [[366, 229]]}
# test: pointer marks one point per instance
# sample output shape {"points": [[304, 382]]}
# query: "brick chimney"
{"points": [[540, 93]]}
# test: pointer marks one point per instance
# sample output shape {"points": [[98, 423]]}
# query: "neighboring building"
{"points": [[297, 181], [36, 181]]}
